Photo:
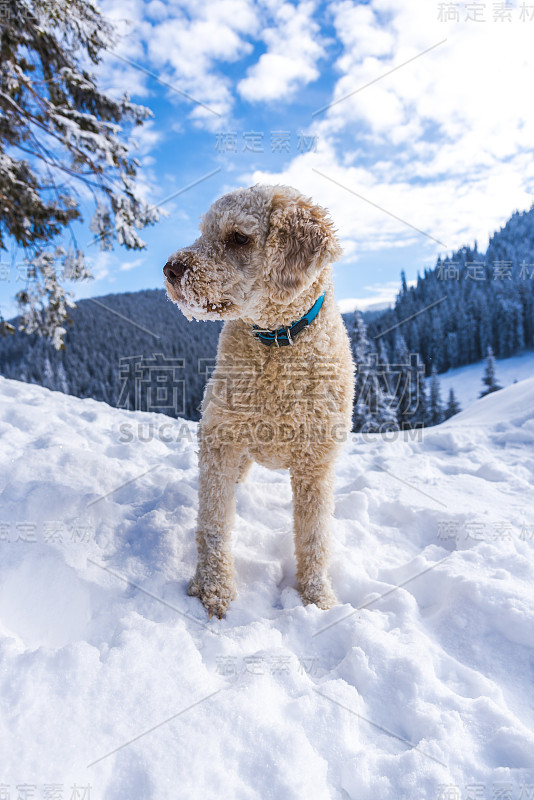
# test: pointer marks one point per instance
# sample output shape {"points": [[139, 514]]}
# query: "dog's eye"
{"points": [[240, 238]]}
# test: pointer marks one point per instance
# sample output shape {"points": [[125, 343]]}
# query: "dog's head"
{"points": [[265, 244]]}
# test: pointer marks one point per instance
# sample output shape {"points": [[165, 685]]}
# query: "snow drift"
{"points": [[114, 684]]}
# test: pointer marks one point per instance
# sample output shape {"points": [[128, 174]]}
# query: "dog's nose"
{"points": [[174, 271]]}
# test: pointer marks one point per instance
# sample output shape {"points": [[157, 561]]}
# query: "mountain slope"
{"points": [[133, 350], [111, 675]]}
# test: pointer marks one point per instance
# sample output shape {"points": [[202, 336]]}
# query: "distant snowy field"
{"points": [[467, 381], [418, 685]]}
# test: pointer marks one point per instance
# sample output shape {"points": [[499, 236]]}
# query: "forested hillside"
{"points": [[133, 350], [467, 303]]}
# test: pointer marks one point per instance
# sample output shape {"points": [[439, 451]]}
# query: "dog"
{"points": [[281, 392]]}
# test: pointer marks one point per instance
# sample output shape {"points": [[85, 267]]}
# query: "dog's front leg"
{"points": [[312, 508], [213, 582]]}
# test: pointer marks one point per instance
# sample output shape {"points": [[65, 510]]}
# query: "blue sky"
{"points": [[427, 146]]}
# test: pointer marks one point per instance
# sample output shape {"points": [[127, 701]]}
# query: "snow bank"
{"points": [[467, 381], [419, 683]]}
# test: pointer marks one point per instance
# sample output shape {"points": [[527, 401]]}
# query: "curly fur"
{"points": [[284, 408]]}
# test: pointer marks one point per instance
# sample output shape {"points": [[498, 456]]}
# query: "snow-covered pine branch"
{"points": [[60, 134]]}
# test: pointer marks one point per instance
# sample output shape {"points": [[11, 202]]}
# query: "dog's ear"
{"points": [[300, 241]]}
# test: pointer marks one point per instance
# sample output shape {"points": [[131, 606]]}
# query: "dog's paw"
{"points": [[215, 596], [318, 590]]}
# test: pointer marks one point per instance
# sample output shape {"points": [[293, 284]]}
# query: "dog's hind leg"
{"points": [[313, 502], [245, 464], [213, 582]]}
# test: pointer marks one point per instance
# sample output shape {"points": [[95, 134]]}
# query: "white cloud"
{"points": [[194, 40], [358, 29], [102, 266], [127, 266], [449, 210], [183, 43], [145, 137], [452, 130], [132, 29], [361, 222], [382, 296], [156, 10], [469, 90], [293, 50]]}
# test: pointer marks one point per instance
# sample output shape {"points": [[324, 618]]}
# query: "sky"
{"points": [[410, 120]]}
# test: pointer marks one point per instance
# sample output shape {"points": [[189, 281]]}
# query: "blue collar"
{"points": [[284, 336]]}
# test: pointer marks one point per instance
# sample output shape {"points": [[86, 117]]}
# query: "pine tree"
{"points": [[361, 416], [489, 378], [382, 402], [60, 135], [374, 405], [358, 337], [62, 382], [48, 375], [409, 385], [435, 408], [383, 351], [453, 406]]}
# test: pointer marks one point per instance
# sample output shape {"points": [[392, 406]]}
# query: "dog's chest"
{"points": [[271, 385]]}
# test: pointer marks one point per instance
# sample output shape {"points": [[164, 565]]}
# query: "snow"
{"points": [[418, 685], [467, 381]]}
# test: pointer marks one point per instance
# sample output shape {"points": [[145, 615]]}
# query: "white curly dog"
{"points": [[282, 389]]}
